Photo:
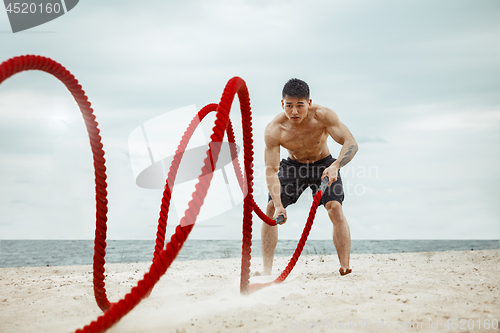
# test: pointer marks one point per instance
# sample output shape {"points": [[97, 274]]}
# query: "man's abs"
{"points": [[309, 156]]}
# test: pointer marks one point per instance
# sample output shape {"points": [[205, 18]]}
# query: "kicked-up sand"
{"points": [[454, 291]]}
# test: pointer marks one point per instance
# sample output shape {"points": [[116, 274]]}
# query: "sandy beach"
{"points": [[426, 291]]}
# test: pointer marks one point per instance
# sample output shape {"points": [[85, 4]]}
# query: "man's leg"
{"points": [[269, 239], [341, 234]]}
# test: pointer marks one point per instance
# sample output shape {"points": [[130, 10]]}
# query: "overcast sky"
{"points": [[417, 83]]}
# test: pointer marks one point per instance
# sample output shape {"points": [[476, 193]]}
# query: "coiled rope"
{"points": [[165, 255]]}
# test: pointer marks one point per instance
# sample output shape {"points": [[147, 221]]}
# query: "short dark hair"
{"points": [[296, 88]]}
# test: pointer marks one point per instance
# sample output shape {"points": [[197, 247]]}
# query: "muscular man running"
{"points": [[303, 129]]}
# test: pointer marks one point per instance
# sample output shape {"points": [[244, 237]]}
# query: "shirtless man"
{"points": [[303, 129]]}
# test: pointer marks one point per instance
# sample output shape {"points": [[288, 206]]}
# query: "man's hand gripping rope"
{"points": [[324, 184]]}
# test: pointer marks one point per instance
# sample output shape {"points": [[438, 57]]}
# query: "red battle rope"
{"points": [[165, 255]]}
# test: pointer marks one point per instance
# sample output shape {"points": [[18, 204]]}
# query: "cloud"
{"points": [[417, 84], [470, 120]]}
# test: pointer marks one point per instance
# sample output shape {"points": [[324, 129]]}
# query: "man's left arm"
{"points": [[343, 136]]}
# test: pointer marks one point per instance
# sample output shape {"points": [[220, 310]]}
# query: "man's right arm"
{"points": [[272, 162]]}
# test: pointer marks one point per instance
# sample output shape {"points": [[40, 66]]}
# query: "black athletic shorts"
{"points": [[295, 177]]}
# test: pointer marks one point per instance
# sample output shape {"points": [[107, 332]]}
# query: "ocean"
{"points": [[24, 253]]}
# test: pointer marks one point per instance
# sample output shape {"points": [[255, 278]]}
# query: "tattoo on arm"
{"points": [[349, 154]]}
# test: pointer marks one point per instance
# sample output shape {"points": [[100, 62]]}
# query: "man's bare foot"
{"points": [[347, 271]]}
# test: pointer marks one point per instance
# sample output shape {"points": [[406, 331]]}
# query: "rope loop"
{"points": [[164, 255]]}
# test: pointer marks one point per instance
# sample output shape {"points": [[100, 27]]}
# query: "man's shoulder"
{"points": [[277, 123], [325, 115], [274, 128]]}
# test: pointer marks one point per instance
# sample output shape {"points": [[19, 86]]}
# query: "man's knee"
{"points": [[334, 209]]}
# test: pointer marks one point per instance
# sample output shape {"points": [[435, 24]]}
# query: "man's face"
{"points": [[296, 108]]}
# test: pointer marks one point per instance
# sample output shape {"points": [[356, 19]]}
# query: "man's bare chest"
{"points": [[303, 140]]}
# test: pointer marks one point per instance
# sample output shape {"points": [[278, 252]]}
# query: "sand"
{"points": [[427, 291]]}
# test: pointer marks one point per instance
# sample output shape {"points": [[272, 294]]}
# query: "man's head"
{"points": [[296, 100], [296, 88]]}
